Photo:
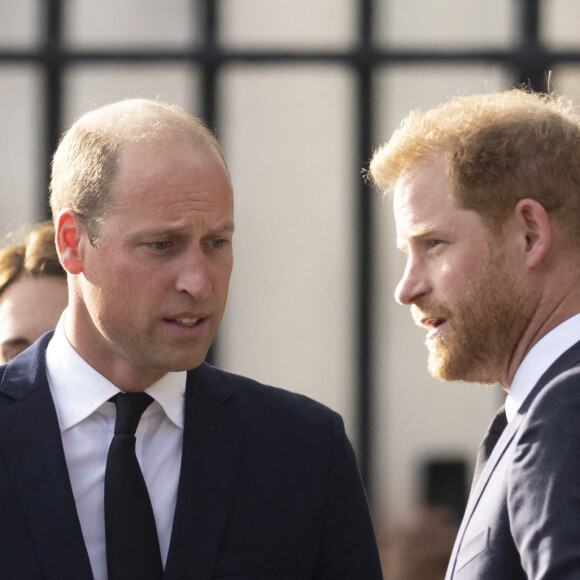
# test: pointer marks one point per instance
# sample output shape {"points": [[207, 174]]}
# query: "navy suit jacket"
{"points": [[523, 517], [269, 487]]}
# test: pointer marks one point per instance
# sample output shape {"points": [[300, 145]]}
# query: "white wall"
{"points": [[288, 132]]}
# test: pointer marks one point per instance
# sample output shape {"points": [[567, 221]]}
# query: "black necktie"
{"points": [[132, 541], [494, 432]]}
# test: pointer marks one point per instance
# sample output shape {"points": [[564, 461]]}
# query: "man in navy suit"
{"points": [[486, 193], [244, 480]]}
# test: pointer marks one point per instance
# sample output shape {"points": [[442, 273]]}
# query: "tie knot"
{"points": [[130, 407]]}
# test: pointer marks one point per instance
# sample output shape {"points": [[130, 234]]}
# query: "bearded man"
{"points": [[486, 195]]}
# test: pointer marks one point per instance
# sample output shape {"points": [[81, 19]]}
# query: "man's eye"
{"points": [[219, 243], [160, 245]]}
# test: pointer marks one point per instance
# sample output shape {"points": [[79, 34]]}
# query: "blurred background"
{"points": [[299, 92]]}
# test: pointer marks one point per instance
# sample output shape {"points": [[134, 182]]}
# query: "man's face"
{"points": [[457, 281], [29, 307], [153, 291]]}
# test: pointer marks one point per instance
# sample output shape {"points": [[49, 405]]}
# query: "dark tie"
{"points": [[494, 432], [132, 541]]}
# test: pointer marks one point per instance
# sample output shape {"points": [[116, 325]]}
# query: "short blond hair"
{"points": [[498, 148], [85, 163], [35, 256]]}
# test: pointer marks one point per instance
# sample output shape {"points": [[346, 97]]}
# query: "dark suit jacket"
{"points": [[269, 487], [523, 517]]}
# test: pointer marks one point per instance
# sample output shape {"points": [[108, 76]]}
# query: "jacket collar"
{"points": [[31, 445], [212, 450]]}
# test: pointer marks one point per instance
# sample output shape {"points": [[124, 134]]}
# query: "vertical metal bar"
{"points": [[531, 71], [364, 236], [209, 109], [53, 73], [209, 35]]}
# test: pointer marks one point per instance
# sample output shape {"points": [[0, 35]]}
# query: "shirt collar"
{"points": [[539, 360], [78, 389]]}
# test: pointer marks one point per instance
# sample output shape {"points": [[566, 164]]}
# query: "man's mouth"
{"points": [[432, 323], [187, 322]]}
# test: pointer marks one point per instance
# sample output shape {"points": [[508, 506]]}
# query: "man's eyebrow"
{"points": [[416, 233], [401, 245], [178, 230], [16, 341], [227, 227]]}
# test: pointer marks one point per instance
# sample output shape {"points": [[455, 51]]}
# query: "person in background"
{"points": [[419, 547], [486, 196], [123, 455], [33, 290]]}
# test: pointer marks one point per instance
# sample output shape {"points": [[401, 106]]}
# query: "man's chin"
{"points": [[439, 372], [441, 367], [454, 370], [186, 362], [436, 361]]}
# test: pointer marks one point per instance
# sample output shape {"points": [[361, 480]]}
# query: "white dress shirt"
{"points": [[87, 420], [539, 360]]}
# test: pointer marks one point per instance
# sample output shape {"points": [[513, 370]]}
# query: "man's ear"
{"points": [[69, 233], [534, 230]]}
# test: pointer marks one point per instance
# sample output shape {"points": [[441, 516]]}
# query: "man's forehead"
{"points": [[156, 165], [426, 183], [423, 202]]}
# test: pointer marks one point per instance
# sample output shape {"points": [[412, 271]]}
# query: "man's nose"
{"points": [[194, 276], [413, 284]]}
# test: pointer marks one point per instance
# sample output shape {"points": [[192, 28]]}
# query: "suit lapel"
{"points": [[212, 443], [31, 444], [496, 455], [567, 360]]}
